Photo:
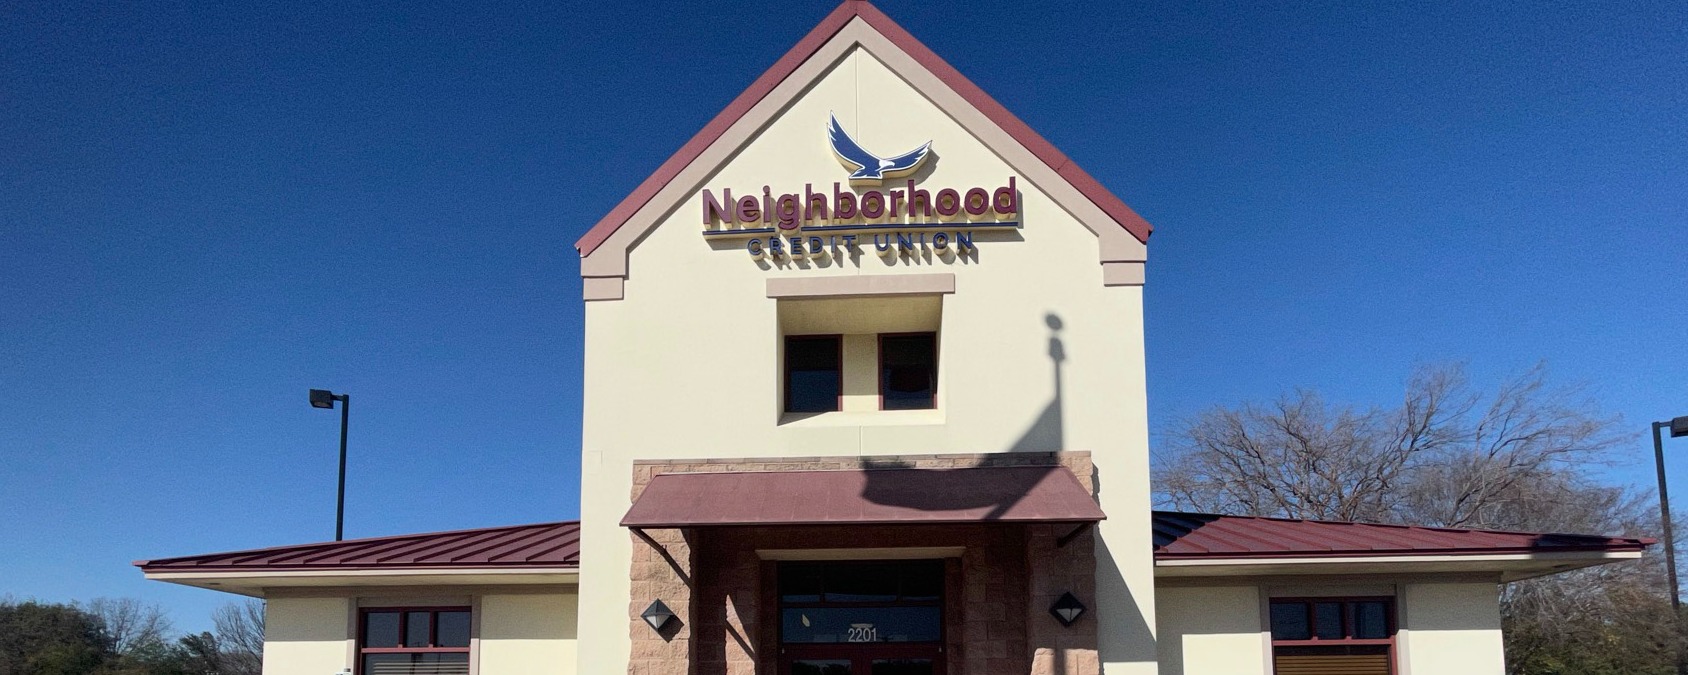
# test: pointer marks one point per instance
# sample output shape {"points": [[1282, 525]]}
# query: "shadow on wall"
{"points": [[1046, 434]]}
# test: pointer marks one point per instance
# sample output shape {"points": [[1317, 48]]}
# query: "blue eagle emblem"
{"points": [[867, 168]]}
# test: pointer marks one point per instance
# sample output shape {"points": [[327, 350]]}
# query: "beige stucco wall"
{"points": [[516, 631], [306, 636], [687, 366], [1211, 631], [523, 634], [1220, 630], [1451, 628]]}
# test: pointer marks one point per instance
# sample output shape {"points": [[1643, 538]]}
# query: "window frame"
{"points": [[1347, 628], [404, 628], [879, 375], [1391, 624], [785, 373]]}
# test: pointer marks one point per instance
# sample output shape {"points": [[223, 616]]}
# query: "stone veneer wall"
{"points": [[1001, 588]]}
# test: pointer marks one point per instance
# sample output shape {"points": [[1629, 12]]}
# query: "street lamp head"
{"points": [[1679, 427], [322, 398]]}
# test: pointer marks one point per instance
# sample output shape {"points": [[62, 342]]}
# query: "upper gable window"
{"points": [[908, 371], [814, 373], [848, 359]]}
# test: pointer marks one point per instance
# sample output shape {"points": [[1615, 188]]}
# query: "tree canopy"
{"points": [[125, 637], [1521, 455]]}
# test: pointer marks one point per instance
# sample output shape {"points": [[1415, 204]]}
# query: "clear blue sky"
{"points": [[208, 208]]}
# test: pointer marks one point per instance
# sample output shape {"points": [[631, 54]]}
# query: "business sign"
{"points": [[882, 207]]}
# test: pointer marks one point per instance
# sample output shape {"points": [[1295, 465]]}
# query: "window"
{"points": [[414, 641], [861, 617], [908, 371], [814, 374], [891, 601], [1321, 634]]}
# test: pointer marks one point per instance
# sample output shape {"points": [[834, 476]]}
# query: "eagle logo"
{"points": [[867, 168]]}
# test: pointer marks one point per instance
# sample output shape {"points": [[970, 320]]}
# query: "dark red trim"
{"points": [[689, 152], [997, 113], [799, 53], [262, 568], [1397, 553]]}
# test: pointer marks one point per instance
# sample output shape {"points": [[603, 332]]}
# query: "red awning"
{"points": [[1018, 494]]}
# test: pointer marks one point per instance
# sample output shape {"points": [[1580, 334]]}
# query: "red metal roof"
{"points": [[1183, 536], [805, 48], [863, 497], [545, 545], [1177, 536]]}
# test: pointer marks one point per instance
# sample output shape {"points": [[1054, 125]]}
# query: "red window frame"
{"points": [[1346, 614], [404, 629], [785, 373], [879, 370]]}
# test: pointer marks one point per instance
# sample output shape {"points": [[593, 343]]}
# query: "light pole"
{"points": [[1678, 428], [323, 398]]}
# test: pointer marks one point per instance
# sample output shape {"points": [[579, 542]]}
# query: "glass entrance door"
{"points": [[865, 660], [862, 617]]}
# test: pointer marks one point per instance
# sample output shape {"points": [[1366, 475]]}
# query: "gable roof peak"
{"points": [[841, 16]]}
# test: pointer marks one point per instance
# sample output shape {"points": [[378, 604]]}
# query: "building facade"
{"points": [[864, 394]]}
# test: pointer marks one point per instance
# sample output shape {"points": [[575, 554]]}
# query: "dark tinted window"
{"points": [[1327, 620], [1371, 620], [453, 629], [861, 601], [923, 582], [1289, 621], [862, 583], [1330, 620], [381, 629], [861, 624], [908, 377], [800, 582], [416, 629], [813, 375], [820, 667]]}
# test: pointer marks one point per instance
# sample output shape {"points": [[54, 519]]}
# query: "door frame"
{"points": [[862, 654]]}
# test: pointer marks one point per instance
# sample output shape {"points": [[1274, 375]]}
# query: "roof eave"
{"points": [[261, 582], [1505, 566]]}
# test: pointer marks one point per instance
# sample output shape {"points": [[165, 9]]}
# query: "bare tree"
{"points": [[130, 624], [1448, 455], [1521, 457], [239, 628]]}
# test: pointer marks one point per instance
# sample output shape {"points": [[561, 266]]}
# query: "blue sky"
{"points": [[208, 208]]}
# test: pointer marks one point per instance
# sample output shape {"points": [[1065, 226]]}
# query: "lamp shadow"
{"points": [[1045, 434]]}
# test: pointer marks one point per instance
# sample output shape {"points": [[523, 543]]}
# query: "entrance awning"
{"points": [[1018, 494]]}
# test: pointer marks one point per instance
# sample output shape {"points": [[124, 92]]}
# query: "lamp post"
{"points": [[1678, 428], [323, 398]]}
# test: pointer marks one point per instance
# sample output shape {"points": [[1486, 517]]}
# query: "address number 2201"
{"points": [[862, 632]]}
